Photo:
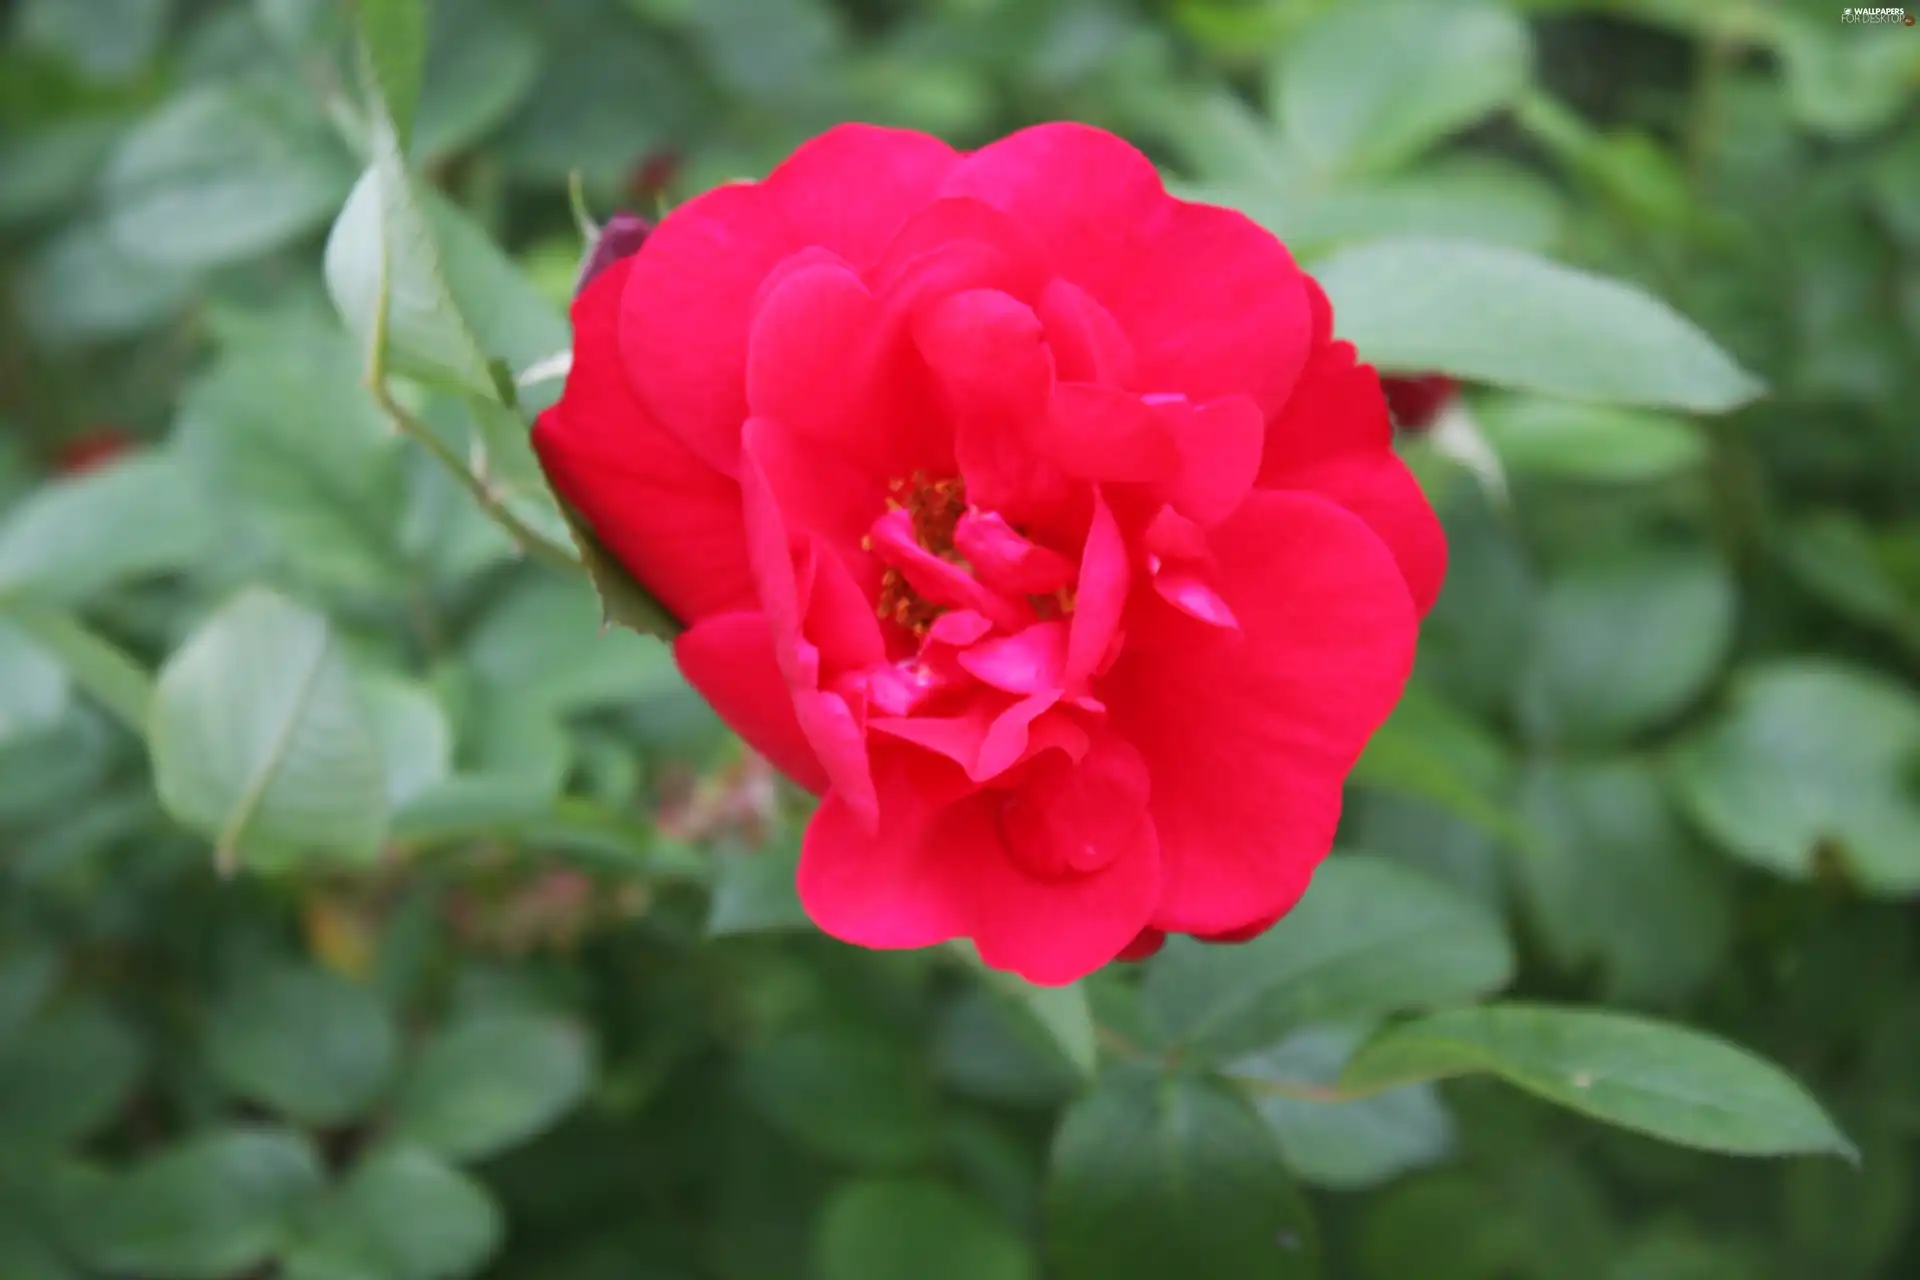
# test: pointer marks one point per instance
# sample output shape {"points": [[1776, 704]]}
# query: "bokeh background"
{"points": [[1665, 721]]}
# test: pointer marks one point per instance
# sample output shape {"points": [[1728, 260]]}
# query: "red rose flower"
{"points": [[1030, 515], [1415, 402], [90, 450]]}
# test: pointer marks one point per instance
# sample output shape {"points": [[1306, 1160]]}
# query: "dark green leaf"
{"points": [[852, 1097], [403, 1214], [1616, 883], [754, 892], [307, 1044], [393, 46], [1621, 646], [880, 1230], [492, 1082], [1159, 1176], [207, 1208], [1680, 1085], [1370, 937], [63, 1077], [33, 687]]}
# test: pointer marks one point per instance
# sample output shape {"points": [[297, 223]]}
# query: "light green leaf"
{"points": [[47, 169], [1487, 314], [108, 41], [260, 740], [222, 173], [852, 1097], [304, 1043], [64, 1076], [900, 1230], [492, 1082], [1370, 937], [1623, 645], [1161, 1176], [1842, 80], [1567, 440], [1616, 883], [1680, 1085], [1343, 1146], [81, 286], [98, 667], [1365, 87], [33, 687], [404, 1214], [207, 1208], [1812, 756], [416, 742], [69, 539]]}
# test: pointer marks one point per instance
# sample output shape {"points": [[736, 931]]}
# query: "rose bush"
{"points": [[1031, 515]]}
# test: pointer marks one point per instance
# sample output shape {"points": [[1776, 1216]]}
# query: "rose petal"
{"points": [[1248, 736], [729, 658]]}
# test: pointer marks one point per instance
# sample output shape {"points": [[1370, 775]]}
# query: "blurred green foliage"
{"points": [[369, 912]]}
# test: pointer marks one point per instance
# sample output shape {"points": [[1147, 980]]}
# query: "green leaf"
{"points": [[33, 687], [304, 464], [1428, 750], [1060, 1014], [416, 742], [45, 170], [1160, 1176], [403, 1214], [1680, 1085], [1812, 756], [852, 1097], [1842, 80], [260, 740], [306, 1044], [1834, 556], [1342, 1146], [74, 537], [27, 975], [405, 265], [1621, 646], [482, 62], [492, 1082], [754, 892], [63, 1077], [1370, 937], [98, 667], [222, 173], [1367, 87], [1566, 440], [900, 1230], [1615, 882], [623, 601], [542, 641], [1487, 314], [207, 1208], [81, 286], [393, 47], [986, 1047], [26, 1253]]}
